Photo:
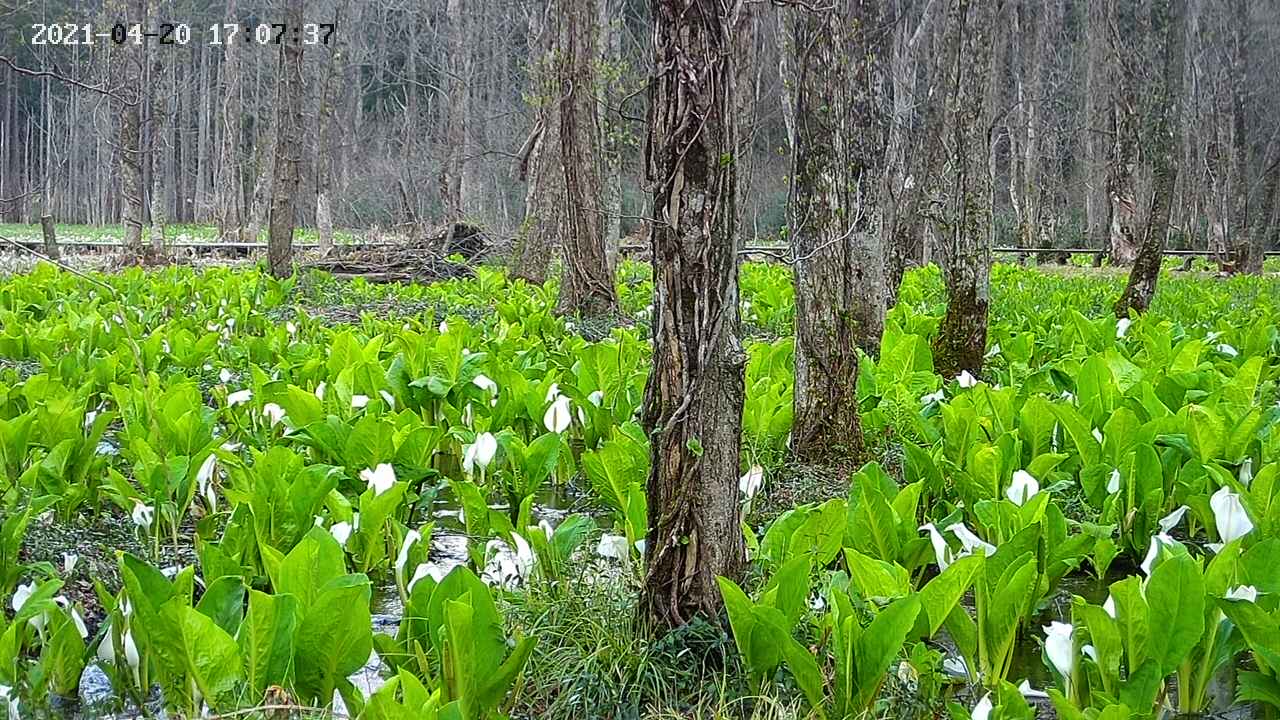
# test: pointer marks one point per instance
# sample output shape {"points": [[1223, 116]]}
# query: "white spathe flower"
{"points": [[751, 483], [69, 561], [239, 397], [89, 417], [557, 417], [444, 327], [596, 398], [1097, 435], [380, 479], [484, 382], [1229, 516], [966, 379], [970, 541], [1122, 327], [341, 532], [941, 552], [479, 453], [10, 702], [546, 528], [320, 390], [1227, 350], [933, 397], [1246, 471], [142, 515], [508, 567], [553, 392], [468, 416], [402, 559], [1090, 652], [955, 667], [1029, 692], [1247, 593], [433, 570], [359, 401], [75, 616], [1170, 521], [994, 351], [273, 413], [1023, 487], [1113, 482], [225, 376], [205, 473], [982, 711], [1109, 607], [1059, 646], [388, 398], [21, 595], [1153, 552], [612, 546], [290, 328]]}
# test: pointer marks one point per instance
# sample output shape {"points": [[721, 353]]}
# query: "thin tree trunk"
{"points": [[288, 156], [1121, 192], [1165, 135], [839, 262], [453, 190], [1097, 206], [131, 189], [230, 210], [587, 286], [50, 237], [693, 399], [964, 223], [1246, 244]]}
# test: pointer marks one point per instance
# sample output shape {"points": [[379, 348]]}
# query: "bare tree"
{"points": [[693, 400], [287, 168], [1163, 133], [962, 214], [132, 189], [839, 261], [586, 286]]}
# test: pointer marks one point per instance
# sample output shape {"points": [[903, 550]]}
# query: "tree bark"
{"points": [[50, 237], [540, 157], [693, 399], [453, 189], [587, 286], [1121, 193], [131, 188], [1163, 138], [1096, 105], [839, 262], [1246, 244], [230, 204], [963, 224], [288, 157]]}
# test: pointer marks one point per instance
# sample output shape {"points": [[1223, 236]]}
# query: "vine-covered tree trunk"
{"points": [[693, 400], [1163, 138], [839, 261], [288, 160], [587, 286], [963, 224]]}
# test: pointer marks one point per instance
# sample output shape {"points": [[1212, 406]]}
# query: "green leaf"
{"points": [[212, 657], [266, 640], [314, 563], [334, 638], [1175, 598]]}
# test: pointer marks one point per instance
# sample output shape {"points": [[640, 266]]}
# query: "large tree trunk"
{"points": [[839, 263], [1164, 128], [287, 168], [693, 400], [1121, 191], [963, 224], [540, 156], [587, 286]]}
